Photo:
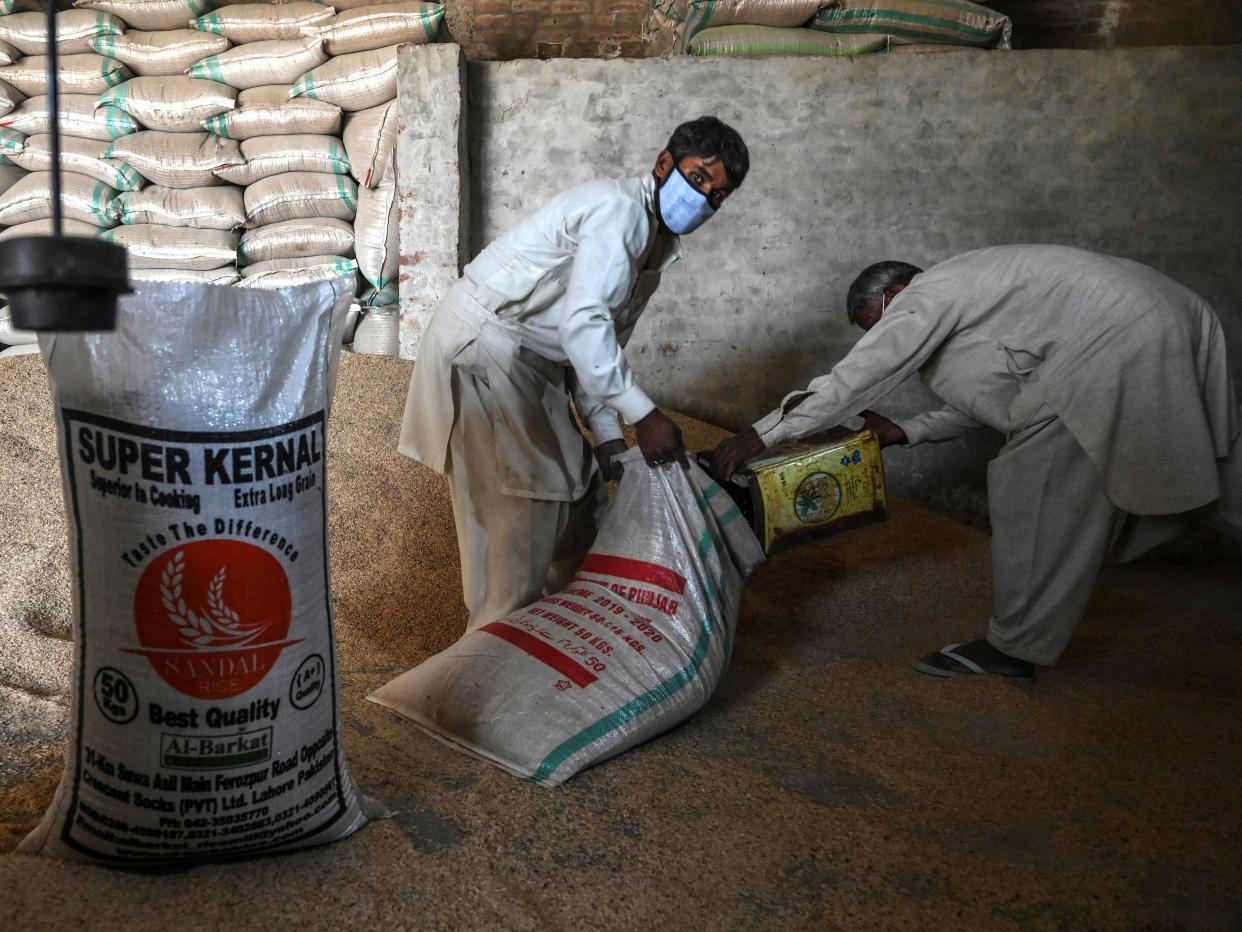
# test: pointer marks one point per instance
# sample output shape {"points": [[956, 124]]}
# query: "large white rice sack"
{"points": [[289, 273], [81, 198], [154, 246], [27, 32], [280, 61], [10, 97], [86, 73], [357, 4], [160, 53], [296, 195], [149, 14], [271, 155], [8, 54], [69, 227], [375, 235], [374, 27], [83, 156], [296, 239], [269, 111], [205, 719], [353, 82], [225, 276], [201, 208], [78, 117], [175, 103], [633, 646], [370, 139], [177, 160], [258, 22]]}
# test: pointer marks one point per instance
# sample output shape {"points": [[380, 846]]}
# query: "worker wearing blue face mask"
{"points": [[542, 315]]}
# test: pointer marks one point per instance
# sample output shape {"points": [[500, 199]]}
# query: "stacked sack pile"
{"points": [[826, 27], [218, 142]]}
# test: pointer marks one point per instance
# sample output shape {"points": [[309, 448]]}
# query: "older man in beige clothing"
{"points": [[1109, 381]]}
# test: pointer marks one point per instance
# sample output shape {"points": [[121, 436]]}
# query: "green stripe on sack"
{"points": [[890, 21], [114, 76], [198, 6], [218, 125], [117, 122], [342, 187], [11, 140], [652, 697], [305, 87], [101, 206], [209, 23], [338, 157], [431, 21]]}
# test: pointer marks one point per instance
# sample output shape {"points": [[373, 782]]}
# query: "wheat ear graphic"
{"points": [[219, 626]]}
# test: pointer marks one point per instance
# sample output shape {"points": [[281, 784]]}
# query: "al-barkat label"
{"points": [[206, 675]]}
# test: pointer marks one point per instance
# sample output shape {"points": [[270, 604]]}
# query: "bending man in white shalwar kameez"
{"points": [[542, 315], [1109, 381]]}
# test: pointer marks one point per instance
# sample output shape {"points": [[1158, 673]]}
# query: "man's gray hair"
{"points": [[872, 281]]}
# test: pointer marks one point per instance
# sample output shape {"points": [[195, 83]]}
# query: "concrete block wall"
{"points": [[917, 157]]}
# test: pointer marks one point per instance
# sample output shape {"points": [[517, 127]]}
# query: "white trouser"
{"points": [[511, 546], [1053, 528]]}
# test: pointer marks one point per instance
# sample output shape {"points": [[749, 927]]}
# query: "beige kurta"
{"points": [[1132, 362], [542, 315]]}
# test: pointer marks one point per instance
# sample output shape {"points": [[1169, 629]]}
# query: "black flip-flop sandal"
{"points": [[932, 665]]}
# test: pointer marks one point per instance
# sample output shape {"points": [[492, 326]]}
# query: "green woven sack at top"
{"points": [[956, 22], [770, 40]]}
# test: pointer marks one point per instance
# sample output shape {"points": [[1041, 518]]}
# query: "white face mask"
{"points": [[683, 208]]}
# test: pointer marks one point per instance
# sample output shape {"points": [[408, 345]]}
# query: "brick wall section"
{"points": [[499, 30]]}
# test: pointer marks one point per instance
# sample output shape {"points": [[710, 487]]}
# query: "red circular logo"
{"points": [[213, 616]]}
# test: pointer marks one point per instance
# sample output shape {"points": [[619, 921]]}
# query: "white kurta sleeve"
{"points": [[603, 421], [904, 339], [611, 240], [934, 426]]}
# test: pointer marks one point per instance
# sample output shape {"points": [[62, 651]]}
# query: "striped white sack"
{"points": [[633, 646], [353, 82], [83, 156], [269, 111], [153, 246], [260, 22], [174, 103], [219, 208], [177, 160], [280, 61], [289, 273], [149, 14], [27, 32], [374, 27], [85, 73], [271, 155], [160, 53], [297, 239], [371, 142], [376, 235], [301, 194], [81, 198], [78, 117]]}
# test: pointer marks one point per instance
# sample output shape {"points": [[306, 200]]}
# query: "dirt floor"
{"points": [[826, 785]]}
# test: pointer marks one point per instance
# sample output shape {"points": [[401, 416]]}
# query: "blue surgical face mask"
{"points": [[683, 207]]}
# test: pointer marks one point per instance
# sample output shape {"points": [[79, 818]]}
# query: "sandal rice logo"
{"points": [[213, 616]]}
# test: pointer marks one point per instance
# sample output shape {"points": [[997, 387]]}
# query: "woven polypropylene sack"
{"points": [[353, 82], [9, 54], [380, 297], [957, 22], [259, 22], [78, 117], [370, 138], [149, 14], [11, 143], [768, 40], [225, 276], [376, 235], [10, 98], [377, 332], [83, 156], [289, 273], [81, 198], [27, 32], [271, 155], [154, 246], [280, 61], [374, 27], [269, 111], [296, 195], [160, 53], [173, 103], [70, 227], [205, 718], [633, 646], [177, 160], [690, 17], [297, 239], [219, 208], [85, 73]]}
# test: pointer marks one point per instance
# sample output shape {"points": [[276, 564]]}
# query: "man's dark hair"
{"points": [[872, 281], [707, 137]]}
